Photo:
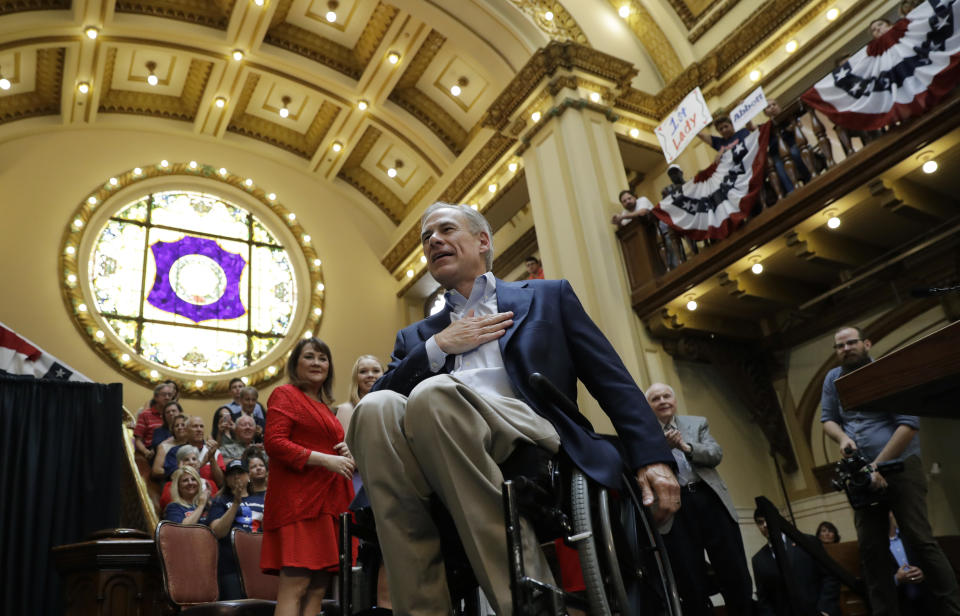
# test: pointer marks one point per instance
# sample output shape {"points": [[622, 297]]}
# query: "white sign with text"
{"points": [[682, 125], [748, 109]]}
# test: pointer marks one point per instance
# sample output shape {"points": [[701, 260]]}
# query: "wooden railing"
{"points": [[660, 267]]}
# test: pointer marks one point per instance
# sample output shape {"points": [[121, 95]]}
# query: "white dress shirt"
{"points": [[481, 369]]}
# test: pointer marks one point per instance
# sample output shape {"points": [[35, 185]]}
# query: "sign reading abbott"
{"points": [[682, 125], [748, 109]]}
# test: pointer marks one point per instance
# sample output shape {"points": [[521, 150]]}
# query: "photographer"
{"points": [[885, 437]]}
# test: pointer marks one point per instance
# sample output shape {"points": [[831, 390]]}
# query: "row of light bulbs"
{"points": [[792, 45]]}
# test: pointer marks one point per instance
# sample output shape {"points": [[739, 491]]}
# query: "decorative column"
{"points": [[574, 173]]}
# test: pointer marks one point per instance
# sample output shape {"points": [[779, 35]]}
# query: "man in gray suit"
{"points": [[707, 519]]}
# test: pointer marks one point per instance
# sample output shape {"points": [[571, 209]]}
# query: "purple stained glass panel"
{"points": [[219, 301]]}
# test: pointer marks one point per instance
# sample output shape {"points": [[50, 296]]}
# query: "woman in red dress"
{"points": [[309, 484]]}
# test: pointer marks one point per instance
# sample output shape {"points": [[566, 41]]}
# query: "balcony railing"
{"points": [[661, 268]]}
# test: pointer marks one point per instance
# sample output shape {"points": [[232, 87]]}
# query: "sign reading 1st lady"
{"points": [[682, 125]]}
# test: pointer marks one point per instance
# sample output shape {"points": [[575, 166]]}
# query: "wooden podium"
{"points": [[922, 378]]}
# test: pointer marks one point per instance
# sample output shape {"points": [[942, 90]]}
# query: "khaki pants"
{"points": [[445, 439]]}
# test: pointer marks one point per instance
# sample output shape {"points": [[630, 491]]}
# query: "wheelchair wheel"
{"points": [[625, 569]]}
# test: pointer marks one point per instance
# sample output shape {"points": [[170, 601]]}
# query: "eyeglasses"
{"points": [[847, 343]]}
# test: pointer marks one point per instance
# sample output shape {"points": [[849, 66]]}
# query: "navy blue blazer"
{"points": [[552, 334]]}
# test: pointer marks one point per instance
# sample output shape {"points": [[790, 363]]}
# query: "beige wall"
{"points": [[45, 176]]}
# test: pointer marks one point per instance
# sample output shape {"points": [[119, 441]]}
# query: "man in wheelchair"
{"points": [[455, 403]]}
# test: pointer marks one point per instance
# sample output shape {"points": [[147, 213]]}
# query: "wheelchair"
{"points": [[623, 561]]}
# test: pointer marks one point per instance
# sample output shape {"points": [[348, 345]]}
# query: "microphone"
{"points": [[934, 291]]}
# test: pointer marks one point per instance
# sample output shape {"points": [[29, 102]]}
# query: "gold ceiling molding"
{"points": [[544, 63], [711, 20], [16, 6], [418, 104], [648, 32], [492, 151], [778, 43], [212, 13], [562, 27], [303, 145], [45, 97], [182, 107], [371, 186], [640, 103], [350, 62]]}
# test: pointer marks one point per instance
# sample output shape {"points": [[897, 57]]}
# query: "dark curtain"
{"points": [[61, 451]]}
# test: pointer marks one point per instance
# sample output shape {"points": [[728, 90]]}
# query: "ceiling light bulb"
{"points": [[83, 87], [198, 383], [361, 105], [634, 132], [248, 182], [410, 273], [595, 97], [153, 79], [4, 83], [306, 238], [272, 369], [833, 14], [691, 305], [220, 102], [114, 181], [331, 16], [474, 207], [757, 268], [91, 32], [317, 262], [164, 163], [548, 15], [77, 223], [125, 357], [222, 171], [92, 200], [337, 146], [237, 55], [291, 216], [245, 379], [792, 46], [272, 196], [137, 171], [71, 250], [393, 57], [193, 164], [834, 222], [82, 307], [317, 311], [72, 279], [512, 167], [284, 112], [392, 172], [535, 116], [930, 166], [154, 374], [455, 90], [755, 75], [100, 334], [321, 286], [492, 188], [423, 259], [259, 2], [624, 11]]}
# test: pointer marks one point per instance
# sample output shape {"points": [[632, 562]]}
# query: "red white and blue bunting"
{"points": [[718, 199], [901, 74]]}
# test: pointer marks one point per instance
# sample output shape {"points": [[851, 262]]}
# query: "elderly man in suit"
{"points": [[456, 402], [707, 519]]}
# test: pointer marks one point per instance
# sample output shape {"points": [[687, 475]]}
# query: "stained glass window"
{"points": [[192, 282]]}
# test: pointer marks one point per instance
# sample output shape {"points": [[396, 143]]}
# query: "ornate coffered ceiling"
{"points": [[403, 101]]}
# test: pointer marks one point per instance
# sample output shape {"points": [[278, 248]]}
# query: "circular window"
{"points": [[201, 278]]}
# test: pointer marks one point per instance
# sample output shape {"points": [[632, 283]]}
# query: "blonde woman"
{"points": [[189, 500], [366, 371]]}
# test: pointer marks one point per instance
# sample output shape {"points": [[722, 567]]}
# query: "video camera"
{"points": [[853, 477]]}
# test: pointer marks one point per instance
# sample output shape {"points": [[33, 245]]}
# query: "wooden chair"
{"points": [[256, 584], [188, 559]]}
